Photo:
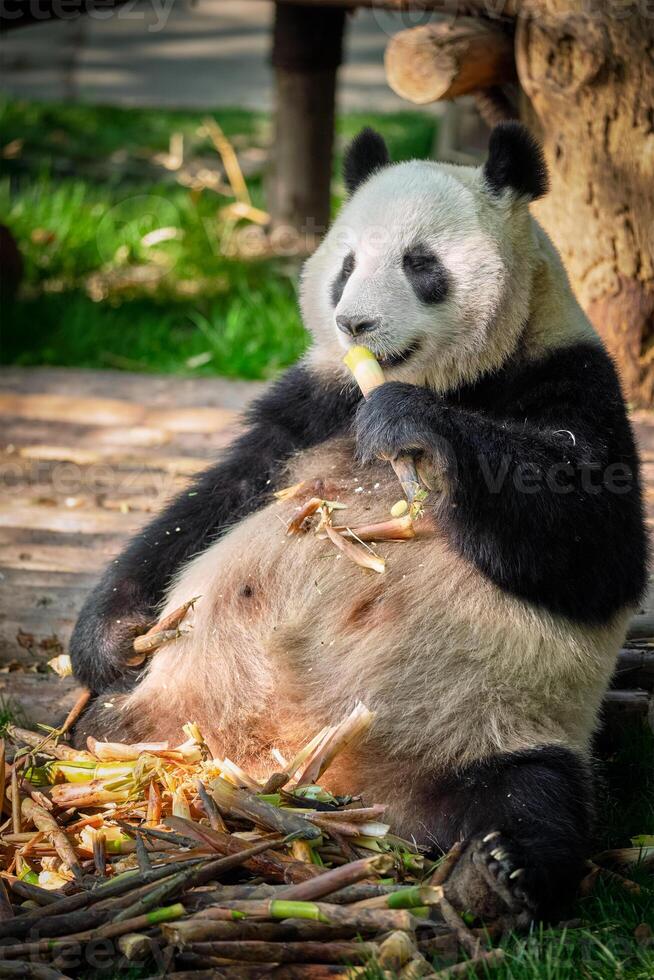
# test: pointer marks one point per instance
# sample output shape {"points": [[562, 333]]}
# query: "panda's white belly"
{"points": [[288, 634]]}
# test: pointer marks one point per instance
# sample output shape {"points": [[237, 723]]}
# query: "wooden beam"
{"points": [[307, 50], [445, 60]]}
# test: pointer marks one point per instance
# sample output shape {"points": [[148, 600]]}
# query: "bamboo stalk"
{"points": [[149, 643], [466, 939], [36, 741], [47, 824], [446, 865], [338, 878], [25, 968], [258, 951], [416, 896], [112, 888], [6, 910], [153, 815], [479, 964], [396, 950], [33, 893], [232, 800], [273, 865], [75, 711], [142, 856], [3, 775], [135, 946], [15, 801], [381, 919], [216, 822], [99, 853], [210, 929], [110, 931]]}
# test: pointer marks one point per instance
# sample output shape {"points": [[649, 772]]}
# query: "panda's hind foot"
{"points": [[490, 880]]}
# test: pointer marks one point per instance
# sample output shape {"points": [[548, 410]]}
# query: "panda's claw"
{"points": [[490, 880]]}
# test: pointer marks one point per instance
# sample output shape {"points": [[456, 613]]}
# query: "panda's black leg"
{"points": [[525, 819]]}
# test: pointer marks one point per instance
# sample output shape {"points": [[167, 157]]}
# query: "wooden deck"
{"points": [[85, 458]]}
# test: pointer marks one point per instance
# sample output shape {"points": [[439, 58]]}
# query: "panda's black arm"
{"points": [[544, 499], [298, 411]]}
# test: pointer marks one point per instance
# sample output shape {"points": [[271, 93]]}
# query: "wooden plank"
{"points": [[187, 465], [88, 520], [113, 412], [42, 698]]}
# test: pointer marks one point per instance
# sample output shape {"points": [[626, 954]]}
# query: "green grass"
{"points": [[80, 193]]}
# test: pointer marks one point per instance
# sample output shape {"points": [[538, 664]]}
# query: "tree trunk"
{"points": [[307, 50], [590, 82]]}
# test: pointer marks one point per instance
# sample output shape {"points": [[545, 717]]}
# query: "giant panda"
{"points": [[485, 648]]}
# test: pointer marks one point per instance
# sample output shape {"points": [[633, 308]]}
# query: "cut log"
{"points": [[443, 61]]}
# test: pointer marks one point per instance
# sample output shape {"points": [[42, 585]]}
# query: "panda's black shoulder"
{"points": [[579, 376]]}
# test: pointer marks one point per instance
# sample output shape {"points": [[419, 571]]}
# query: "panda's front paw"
{"points": [[395, 420], [492, 880]]}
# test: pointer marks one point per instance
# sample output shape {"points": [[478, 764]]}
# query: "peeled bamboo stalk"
{"points": [[46, 823], [369, 375], [351, 729], [123, 752], [396, 529]]}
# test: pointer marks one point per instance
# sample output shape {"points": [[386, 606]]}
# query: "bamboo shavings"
{"points": [[360, 556]]}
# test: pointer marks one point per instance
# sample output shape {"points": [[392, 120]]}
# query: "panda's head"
{"points": [[429, 265]]}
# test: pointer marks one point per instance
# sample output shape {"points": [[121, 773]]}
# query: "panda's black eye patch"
{"points": [[339, 282], [426, 273]]}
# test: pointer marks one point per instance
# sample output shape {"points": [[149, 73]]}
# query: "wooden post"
{"points": [[307, 50]]}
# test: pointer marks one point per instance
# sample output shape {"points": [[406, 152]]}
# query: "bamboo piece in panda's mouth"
{"points": [[368, 374]]}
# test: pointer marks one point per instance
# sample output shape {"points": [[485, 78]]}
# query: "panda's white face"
{"points": [[428, 269]]}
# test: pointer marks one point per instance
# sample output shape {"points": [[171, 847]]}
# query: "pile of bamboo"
{"points": [[184, 862]]}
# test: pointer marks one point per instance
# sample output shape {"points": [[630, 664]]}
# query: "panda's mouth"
{"points": [[394, 360]]}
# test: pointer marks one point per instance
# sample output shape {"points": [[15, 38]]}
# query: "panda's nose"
{"points": [[355, 325]]}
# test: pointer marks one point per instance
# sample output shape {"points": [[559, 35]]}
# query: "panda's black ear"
{"points": [[515, 160], [366, 153]]}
